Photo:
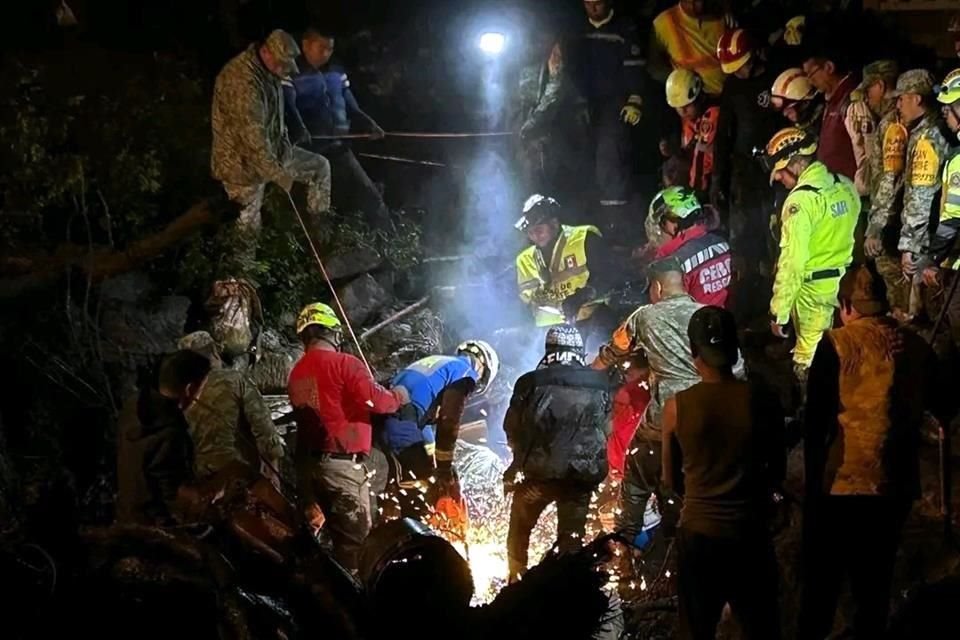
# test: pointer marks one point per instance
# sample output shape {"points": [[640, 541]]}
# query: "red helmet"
{"points": [[734, 50]]}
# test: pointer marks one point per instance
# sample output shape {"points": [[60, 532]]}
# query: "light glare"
{"points": [[492, 42]]}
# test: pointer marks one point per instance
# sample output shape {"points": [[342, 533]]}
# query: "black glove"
{"points": [[510, 480], [571, 305]]}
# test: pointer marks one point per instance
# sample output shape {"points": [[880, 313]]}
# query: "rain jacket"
{"points": [[705, 258], [558, 423]]}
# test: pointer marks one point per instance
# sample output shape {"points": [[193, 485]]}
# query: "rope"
{"points": [[377, 156], [417, 134], [336, 298]]}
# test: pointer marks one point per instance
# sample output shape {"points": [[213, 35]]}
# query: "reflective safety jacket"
{"points": [[946, 234], [697, 140], [887, 159], [705, 258], [819, 216], [545, 284], [690, 43]]}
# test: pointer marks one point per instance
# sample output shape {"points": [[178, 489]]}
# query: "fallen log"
{"points": [[100, 263], [393, 318]]}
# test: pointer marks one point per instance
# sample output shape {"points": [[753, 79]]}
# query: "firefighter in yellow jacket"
{"points": [[816, 243], [565, 274]]}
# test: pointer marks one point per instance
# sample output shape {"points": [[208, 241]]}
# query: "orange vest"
{"points": [[691, 43], [698, 137]]}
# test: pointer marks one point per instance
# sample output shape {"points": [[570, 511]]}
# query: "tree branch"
{"points": [[103, 263]]}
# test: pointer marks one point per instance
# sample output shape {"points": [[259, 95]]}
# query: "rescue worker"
{"points": [[699, 119], [835, 143], [154, 455], [703, 255], [250, 142], [944, 238], [816, 245], [333, 396], [684, 37], [887, 156], [746, 122], [608, 69], [793, 96], [926, 154], [870, 385], [629, 404], [321, 103], [423, 434], [553, 124], [557, 425], [566, 273]]}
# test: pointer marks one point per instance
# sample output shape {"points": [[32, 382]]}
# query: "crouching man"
{"points": [[557, 426]]}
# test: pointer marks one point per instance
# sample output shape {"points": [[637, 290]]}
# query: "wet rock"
{"points": [[363, 298], [350, 265], [130, 287], [133, 333], [275, 358]]}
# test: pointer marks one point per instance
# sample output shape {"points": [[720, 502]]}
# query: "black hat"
{"points": [[713, 337]]}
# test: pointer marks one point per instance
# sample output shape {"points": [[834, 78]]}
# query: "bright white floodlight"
{"points": [[492, 43]]}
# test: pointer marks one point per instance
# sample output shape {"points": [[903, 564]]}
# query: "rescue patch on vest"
{"points": [[570, 262], [791, 210], [924, 164], [894, 148], [955, 180]]}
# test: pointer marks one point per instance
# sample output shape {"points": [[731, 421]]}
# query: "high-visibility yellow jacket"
{"points": [[690, 43], [818, 220], [544, 283]]}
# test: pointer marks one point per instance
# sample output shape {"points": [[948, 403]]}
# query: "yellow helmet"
{"points": [[784, 145], [318, 314], [948, 91], [683, 87], [793, 30]]}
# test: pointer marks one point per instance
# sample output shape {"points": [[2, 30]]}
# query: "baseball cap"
{"points": [[877, 70], [284, 49], [199, 342], [918, 81], [713, 336]]}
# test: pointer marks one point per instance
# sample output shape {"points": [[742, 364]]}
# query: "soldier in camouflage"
{"points": [[251, 146], [886, 157], [926, 152], [228, 420], [203, 343]]}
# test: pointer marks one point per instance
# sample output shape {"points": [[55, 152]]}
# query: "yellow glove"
{"points": [[630, 114]]}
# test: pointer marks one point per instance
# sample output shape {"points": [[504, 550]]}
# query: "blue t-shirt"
{"points": [[426, 379]]}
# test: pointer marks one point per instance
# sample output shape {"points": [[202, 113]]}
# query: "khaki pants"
{"points": [[342, 489]]}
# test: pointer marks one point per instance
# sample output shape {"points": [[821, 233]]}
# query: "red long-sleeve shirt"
{"points": [[333, 396], [629, 403]]}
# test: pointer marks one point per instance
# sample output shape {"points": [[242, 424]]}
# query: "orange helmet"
{"points": [[734, 50], [792, 85]]}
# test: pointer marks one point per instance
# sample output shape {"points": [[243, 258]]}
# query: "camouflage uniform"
{"points": [[227, 412], [203, 343], [250, 142], [886, 192]]}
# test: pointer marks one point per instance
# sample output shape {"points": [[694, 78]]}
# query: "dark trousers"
{"points": [[410, 470], [713, 571], [529, 500], [352, 189], [855, 536], [613, 165]]}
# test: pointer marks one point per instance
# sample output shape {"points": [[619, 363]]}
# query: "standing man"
{"points": [[746, 123], [333, 396], [869, 386], [816, 242], [698, 121], [609, 70], [320, 103], [948, 94], [926, 153], [723, 452], [836, 143], [557, 425], [250, 142], [684, 37], [887, 156]]}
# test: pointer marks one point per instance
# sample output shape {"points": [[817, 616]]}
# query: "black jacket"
{"points": [[154, 457], [558, 423]]}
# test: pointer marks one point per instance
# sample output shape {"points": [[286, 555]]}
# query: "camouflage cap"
{"points": [[284, 49], [199, 342], [873, 72], [918, 81]]}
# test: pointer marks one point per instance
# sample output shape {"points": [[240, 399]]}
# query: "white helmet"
{"points": [[483, 352]]}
